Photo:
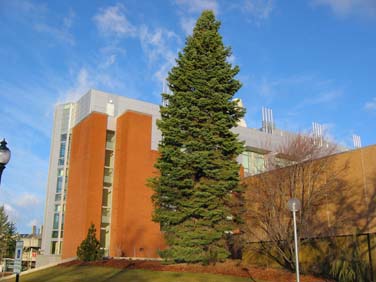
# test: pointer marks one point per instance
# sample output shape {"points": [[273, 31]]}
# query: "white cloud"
{"points": [[68, 20], [24, 7], [268, 87], [155, 43], [371, 105], [27, 200], [58, 33], [62, 32], [11, 212], [187, 7], [109, 61], [109, 55], [304, 91], [231, 59], [187, 24], [112, 20], [28, 114], [112, 48], [197, 6], [259, 10], [81, 86], [34, 222], [85, 79], [324, 97], [349, 7]]}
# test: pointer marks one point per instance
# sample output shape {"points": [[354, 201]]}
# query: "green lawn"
{"points": [[107, 274]]}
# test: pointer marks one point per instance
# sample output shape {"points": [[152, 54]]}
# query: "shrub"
{"points": [[90, 249], [349, 265]]}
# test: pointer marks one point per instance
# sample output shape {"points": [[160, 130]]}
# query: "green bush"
{"points": [[349, 265], [90, 249], [342, 258]]}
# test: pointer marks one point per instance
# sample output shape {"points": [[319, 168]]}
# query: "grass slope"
{"points": [[106, 274]]}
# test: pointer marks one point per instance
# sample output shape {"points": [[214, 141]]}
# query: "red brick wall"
{"points": [[85, 182], [133, 233]]}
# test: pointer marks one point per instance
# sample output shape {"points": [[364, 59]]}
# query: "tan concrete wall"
{"points": [[346, 203], [85, 182]]}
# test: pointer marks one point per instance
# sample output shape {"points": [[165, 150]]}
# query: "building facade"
{"points": [[103, 150], [31, 247], [338, 193]]}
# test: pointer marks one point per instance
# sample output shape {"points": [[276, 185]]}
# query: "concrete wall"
{"points": [[345, 203], [61, 126]]}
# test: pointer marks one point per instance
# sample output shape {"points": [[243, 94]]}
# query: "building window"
{"points": [[68, 148], [108, 175], [106, 197], [54, 249], [57, 197], [65, 118], [62, 150], [107, 192], [57, 208], [60, 161], [253, 162], [56, 221], [59, 184], [259, 162], [55, 234], [110, 139], [62, 222], [106, 213], [60, 172], [109, 158], [105, 237], [245, 158], [107, 184]]}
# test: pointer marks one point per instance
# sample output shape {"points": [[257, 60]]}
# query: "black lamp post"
{"points": [[4, 156]]}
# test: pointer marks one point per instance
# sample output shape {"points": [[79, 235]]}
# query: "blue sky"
{"points": [[310, 60]]}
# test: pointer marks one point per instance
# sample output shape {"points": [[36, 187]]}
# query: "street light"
{"points": [[294, 206], [4, 156]]}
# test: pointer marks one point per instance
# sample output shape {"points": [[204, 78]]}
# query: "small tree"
{"points": [[8, 235], [11, 237], [90, 249]]}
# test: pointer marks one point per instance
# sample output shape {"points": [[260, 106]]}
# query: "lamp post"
{"points": [[294, 206], [4, 156]]}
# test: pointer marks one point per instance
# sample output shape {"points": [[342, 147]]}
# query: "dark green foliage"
{"points": [[197, 163], [8, 236], [11, 239], [348, 265], [342, 258], [90, 249]]}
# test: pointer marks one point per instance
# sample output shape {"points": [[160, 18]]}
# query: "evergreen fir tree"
{"points": [[8, 235], [11, 237], [90, 249], [197, 163]]}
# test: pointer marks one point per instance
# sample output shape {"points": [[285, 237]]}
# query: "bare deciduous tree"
{"points": [[300, 169]]}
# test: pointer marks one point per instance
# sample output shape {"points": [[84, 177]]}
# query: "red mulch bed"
{"points": [[232, 268]]}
